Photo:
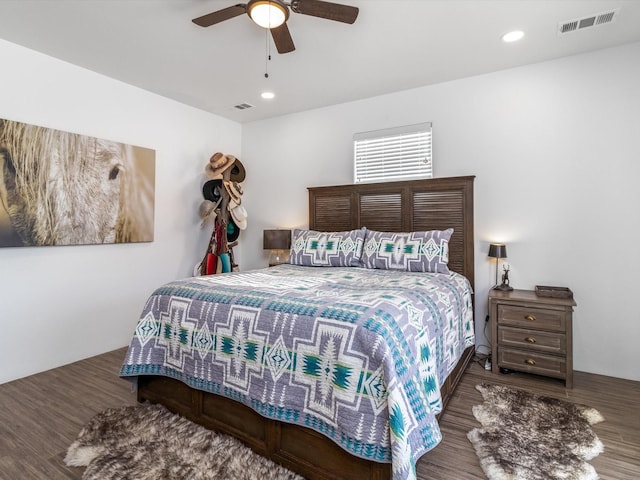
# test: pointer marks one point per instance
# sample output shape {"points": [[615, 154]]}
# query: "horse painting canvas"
{"points": [[61, 188]]}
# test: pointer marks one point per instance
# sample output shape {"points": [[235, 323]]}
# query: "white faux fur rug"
{"points": [[530, 437], [148, 442]]}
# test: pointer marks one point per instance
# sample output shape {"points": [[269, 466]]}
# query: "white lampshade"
{"points": [[268, 13]]}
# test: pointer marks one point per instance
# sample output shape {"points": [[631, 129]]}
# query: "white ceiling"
{"points": [[393, 45]]}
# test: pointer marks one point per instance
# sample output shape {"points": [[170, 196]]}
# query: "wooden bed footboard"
{"points": [[297, 448]]}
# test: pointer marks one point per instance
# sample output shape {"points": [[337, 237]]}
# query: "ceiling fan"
{"points": [[273, 14]]}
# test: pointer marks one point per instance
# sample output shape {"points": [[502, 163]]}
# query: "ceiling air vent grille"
{"points": [[243, 106], [589, 21]]}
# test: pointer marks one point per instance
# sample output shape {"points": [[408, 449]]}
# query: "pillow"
{"points": [[412, 252], [326, 249]]}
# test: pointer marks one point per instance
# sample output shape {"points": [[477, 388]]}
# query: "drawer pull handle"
{"points": [[530, 340], [530, 318], [530, 361]]}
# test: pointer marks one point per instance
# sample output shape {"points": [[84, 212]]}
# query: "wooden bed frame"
{"points": [[433, 204]]}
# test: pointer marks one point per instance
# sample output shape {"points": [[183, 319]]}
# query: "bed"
{"points": [[292, 376]]}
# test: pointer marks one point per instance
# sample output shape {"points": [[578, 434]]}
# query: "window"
{"points": [[400, 153]]}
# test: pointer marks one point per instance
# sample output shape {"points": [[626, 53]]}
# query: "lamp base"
{"points": [[503, 287], [278, 257]]}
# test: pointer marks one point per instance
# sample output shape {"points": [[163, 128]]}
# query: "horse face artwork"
{"points": [[62, 188]]}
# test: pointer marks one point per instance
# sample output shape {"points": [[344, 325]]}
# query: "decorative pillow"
{"points": [[413, 252], [326, 249]]}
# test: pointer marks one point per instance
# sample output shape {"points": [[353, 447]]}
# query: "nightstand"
{"points": [[532, 334]]}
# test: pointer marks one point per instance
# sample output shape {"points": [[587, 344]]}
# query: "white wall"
{"points": [[61, 304], [555, 148]]}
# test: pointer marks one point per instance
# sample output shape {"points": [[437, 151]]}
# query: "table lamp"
{"points": [[498, 251], [279, 242]]}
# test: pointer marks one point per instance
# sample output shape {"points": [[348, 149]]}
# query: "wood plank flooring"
{"points": [[41, 415], [617, 400]]}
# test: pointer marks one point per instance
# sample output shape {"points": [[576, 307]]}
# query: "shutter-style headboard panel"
{"points": [[415, 205]]}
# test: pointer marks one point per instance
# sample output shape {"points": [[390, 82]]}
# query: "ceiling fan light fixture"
{"points": [[268, 13]]}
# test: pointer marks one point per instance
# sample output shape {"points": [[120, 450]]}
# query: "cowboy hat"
{"points": [[211, 190], [233, 232], [238, 173], [208, 212], [234, 190], [218, 164], [238, 214]]}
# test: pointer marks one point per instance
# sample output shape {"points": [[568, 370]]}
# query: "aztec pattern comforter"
{"points": [[354, 353]]}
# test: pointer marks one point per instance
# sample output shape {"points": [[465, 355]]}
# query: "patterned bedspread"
{"points": [[356, 354]]}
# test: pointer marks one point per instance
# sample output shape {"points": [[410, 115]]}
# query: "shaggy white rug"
{"points": [[148, 442], [530, 437]]}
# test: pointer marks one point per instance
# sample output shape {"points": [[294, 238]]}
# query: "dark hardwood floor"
{"points": [[41, 415], [617, 400]]}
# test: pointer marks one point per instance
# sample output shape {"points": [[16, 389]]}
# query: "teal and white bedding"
{"points": [[356, 354]]}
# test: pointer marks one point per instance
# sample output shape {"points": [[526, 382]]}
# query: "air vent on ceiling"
{"points": [[243, 106], [589, 21]]}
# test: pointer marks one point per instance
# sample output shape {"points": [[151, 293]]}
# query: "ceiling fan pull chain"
{"points": [[267, 53]]}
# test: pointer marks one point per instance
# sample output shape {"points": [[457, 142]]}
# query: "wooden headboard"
{"points": [[415, 205]]}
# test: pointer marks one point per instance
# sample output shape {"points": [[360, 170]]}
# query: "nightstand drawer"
{"points": [[530, 317], [537, 340], [533, 362]]}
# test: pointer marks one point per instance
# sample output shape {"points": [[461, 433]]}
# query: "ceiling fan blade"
{"points": [[282, 39], [220, 15], [328, 10]]}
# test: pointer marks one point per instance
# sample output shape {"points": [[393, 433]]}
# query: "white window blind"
{"points": [[399, 153]]}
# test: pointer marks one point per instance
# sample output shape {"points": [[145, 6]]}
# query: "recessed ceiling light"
{"points": [[267, 95], [513, 36]]}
